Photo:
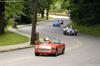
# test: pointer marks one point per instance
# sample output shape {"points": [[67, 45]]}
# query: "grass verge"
{"points": [[10, 38], [91, 30]]}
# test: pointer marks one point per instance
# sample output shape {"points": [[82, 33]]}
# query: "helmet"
{"points": [[46, 39]]}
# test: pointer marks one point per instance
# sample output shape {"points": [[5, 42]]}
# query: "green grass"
{"points": [[10, 38], [91, 30]]}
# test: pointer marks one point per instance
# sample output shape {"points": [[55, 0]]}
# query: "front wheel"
{"points": [[53, 25], [63, 51], [64, 32], [75, 34], [58, 25], [36, 54], [56, 52]]}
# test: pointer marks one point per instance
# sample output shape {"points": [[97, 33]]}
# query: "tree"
{"points": [[57, 6], [49, 2], [85, 12], [45, 5], [34, 21], [13, 9], [28, 12], [2, 20], [42, 7]]}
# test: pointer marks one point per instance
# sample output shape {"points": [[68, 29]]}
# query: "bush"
{"points": [[86, 12], [92, 30]]}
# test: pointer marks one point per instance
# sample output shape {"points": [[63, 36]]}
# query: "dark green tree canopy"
{"points": [[2, 20], [84, 12]]}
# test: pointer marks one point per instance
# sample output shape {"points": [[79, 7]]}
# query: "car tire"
{"points": [[61, 23], [58, 25], [56, 52], [53, 25], [76, 34], [37, 54], [64, 32], [63, 51]]}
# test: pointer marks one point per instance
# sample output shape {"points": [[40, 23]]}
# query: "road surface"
{"points": [[81, 50]]}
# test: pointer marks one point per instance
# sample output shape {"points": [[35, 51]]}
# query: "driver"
{"points": [[47, 40]]}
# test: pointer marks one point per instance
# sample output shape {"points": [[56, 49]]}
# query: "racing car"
{"points": [[56, 24], [69, 30], [50, 47]]}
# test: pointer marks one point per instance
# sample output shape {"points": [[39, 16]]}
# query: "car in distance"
{"points": [[56, 24], [69, 30], [53, 47]]}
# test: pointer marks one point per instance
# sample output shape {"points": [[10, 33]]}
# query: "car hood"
{"points": [[47, 46], [68, 30]]}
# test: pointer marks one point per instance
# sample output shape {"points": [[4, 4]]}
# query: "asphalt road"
{"points": [[81, 50]]}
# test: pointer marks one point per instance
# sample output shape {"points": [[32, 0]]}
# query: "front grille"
{"points": [[44, 50], [70, 31]]}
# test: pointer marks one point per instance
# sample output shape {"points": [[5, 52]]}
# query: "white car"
{"points": [[69, 31]]}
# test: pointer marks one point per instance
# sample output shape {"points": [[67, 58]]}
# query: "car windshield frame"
{"points": [[55, 40]]}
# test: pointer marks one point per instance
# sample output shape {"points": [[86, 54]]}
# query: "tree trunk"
{"points": [[47, 13], [42, 14], [47, 10], [2, 23], [34, 22]]}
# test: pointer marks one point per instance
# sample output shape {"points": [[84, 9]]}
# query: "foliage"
{"points": [[13, 9], [66, 4], [91, 30], [45, 6], [28, 12], [85, 12], [57, 5], [2, 20]]}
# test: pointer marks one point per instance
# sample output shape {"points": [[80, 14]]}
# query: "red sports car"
{"points": [[53, 47]]}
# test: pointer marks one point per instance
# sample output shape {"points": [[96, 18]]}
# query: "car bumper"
{"points": [[69, 33], [45, 52], [56, 25]]}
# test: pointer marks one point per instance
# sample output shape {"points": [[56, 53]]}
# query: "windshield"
{"points": [[56, 41]]}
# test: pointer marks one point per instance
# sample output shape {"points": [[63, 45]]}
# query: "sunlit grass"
{"points": [[10, 38]]}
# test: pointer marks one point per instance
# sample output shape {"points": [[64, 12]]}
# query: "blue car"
{"points": [[56, 24]]}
